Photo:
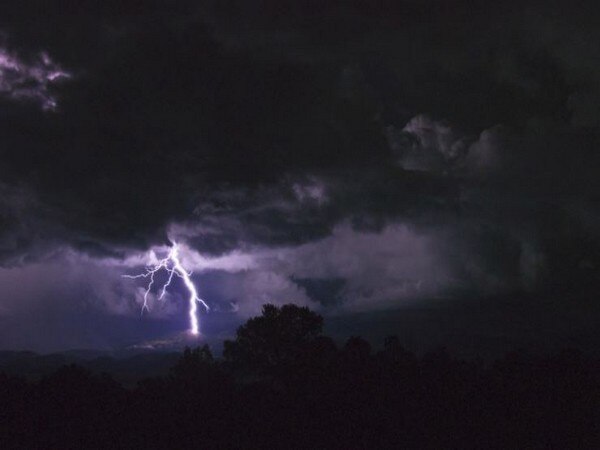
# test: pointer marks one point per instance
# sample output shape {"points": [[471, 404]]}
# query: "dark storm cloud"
{"points": [[301, 209], [159, 112], [268, 124]]}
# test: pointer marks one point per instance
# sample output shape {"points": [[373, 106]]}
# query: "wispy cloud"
{"points": [[30, 80]]}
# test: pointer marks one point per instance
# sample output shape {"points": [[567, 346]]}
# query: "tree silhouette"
{"points": [[198, 370], [357, 349], [275, 339], [395, 356], [285, 385], [193, 362]]}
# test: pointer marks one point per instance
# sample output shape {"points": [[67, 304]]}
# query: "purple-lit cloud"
{"points": [[30, 80], [344, 177]]}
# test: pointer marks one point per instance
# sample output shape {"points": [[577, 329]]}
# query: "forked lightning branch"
{"points": [[171, 264]]}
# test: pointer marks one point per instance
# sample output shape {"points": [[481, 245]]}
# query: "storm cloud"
{"points": [[348, 156]]}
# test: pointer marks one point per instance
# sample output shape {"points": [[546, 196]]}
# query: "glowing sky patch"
{"points": [[30, 80]]}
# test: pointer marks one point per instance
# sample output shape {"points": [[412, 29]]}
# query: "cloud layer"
{"points": [[343, 156]]}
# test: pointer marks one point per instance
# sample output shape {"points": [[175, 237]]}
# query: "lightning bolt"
{"points": [[172, 265]]}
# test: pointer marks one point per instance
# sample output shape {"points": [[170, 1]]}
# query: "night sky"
{"points": [[426, 168]]}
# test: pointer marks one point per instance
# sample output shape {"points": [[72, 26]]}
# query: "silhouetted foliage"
{"points": [[394, 354], [193, 363], [275, 339], [310, 394], [357, 349]]}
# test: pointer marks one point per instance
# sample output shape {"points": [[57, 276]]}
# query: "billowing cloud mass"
{"points": [[345, 156]]}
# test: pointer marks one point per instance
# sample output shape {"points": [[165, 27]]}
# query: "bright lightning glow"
{"points": [[172, 265]]}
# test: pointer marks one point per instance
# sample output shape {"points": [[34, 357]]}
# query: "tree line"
{"points": [[282, 384]]}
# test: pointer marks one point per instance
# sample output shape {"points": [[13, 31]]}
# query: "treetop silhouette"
{"points": [[274, 339]]}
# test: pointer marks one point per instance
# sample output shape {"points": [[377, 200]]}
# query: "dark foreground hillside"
{"points": [[281, 384]]}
